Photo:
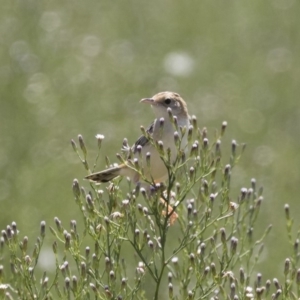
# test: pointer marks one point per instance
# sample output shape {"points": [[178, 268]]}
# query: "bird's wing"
{"points": [[142, 140]]}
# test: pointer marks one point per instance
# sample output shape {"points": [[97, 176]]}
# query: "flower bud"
{"points": [[139, 150], [205, 143], [58, 224], [202, 249], [212, 199], [107, 264], [74, 146], [136, 164], [176, 123], [170, 276], [176, 138], [243, 194], [194, 150], [190, 133], [161, 124], [242, 276], [43, 228], [150, 244], [120, 158], [67, 241], [259, 279], [74, 282], [223, 235], [249, 193], [287, 266], [259, 291], [195, 213], [25, 244], [83, 192], [189, 209], [67, 283], [253, 183], [194, 122], [87, 252], [93, 287], [205, 186], [183, 157], [250, 233], [9, 232], [287, 211], [175, 260], [213, 269], [233, 147], [76, 189], [112, 275], [123, 283], [227, 171], [232, 290], [276, 283], [233, 245], [192, 259], [160, 147], [144, 132], [223, 128], [90, 202], [82, 145], [204, 133], [169, 110], [145, 210], [95, 261], [259, 201], [108, 292], [100, 138], [14, 227], [83, 269], [218, 148], [192, 173], [170, 286], [148, 156], [73, 225]]}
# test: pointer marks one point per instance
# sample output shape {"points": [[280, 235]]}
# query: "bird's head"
{"points": [[164, 100]]}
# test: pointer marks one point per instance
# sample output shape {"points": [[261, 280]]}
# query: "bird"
{"points": [[161, 130]]}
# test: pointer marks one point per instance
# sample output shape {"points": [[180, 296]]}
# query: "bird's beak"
{"points": [[147, 100]]}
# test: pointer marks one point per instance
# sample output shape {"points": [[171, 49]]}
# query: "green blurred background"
{"points": [[70, 67]]}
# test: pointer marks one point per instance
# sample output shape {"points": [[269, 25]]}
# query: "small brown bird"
{"points": [[157, 171]]}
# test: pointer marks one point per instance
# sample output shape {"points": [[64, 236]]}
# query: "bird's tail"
{"points": [[105, 175]]}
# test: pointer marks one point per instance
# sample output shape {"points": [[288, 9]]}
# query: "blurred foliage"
{"points": [[81, 67]]}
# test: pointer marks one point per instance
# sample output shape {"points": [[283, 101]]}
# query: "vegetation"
{"points": [[126, 248], [69, 67]]}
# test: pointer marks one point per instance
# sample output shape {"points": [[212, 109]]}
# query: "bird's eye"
{"points": [[168, 101]]}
